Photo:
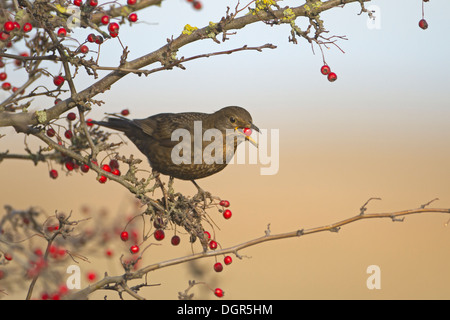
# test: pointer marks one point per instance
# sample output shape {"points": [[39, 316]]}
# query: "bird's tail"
{"points": [[118, 124]]}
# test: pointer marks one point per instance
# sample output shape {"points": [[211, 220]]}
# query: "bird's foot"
{"points": [[203, 195]]}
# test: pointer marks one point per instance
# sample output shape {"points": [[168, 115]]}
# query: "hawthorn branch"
{"points": [[178, 62], [334, 227], [235, 23], [133, 189]]}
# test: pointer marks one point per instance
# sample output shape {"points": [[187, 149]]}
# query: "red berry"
{"points": [[423, 24], [51, 132], [197, 5], [93, 3], [134, 249], [106, 167], [227, 260], [53, 174], [8, 256], [131, 2], [4, 36], [133, 17], [69, 165], [218, 267], [124, 236], [175, 240], [6, 86], [3, 76], [71, 116], [114, 164], [27, 27], [8, 26], [332, 77], [116, 172], [208, 235], [105, 19], [78, 3], [114, 34], [68, 134], [213, 245], [16, 26], [89, 122], [247, 131], [219, 292], [91, 37], [227, 214], [225, 203], [159, 234], [325, 69], [84, 168], [113, 27], [99, 40], [62, 32], [84, 49], [58, 81], [102, 179], [125, 112], [91, 276]]}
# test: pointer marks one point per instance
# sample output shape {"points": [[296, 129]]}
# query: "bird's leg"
{"points": [[202, 193], [161, 185], [170, 188]]}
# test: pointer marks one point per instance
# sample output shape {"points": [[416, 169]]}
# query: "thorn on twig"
{"points": [[240, 256], [364, 206], [394, 219], [335, 229], [428, 203], [300, 232], [267, 231]]}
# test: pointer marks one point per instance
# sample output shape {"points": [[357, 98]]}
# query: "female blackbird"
{"points": [[193, 151]]}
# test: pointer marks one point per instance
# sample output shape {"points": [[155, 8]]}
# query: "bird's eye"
{"points": [[232, 120]]}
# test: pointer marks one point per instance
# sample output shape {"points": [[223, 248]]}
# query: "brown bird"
{"points": [[179, 153]]}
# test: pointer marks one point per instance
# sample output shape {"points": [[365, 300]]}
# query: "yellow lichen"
{"points": [[41, 116], [188, 29], [288, 15], [261, 5]]}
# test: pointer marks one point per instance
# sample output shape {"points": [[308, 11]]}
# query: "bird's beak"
{"points": [[247, 137], [254, 127]]}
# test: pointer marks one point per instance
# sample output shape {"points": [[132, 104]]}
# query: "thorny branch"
{"points": [[334, 227], [230, 22]]}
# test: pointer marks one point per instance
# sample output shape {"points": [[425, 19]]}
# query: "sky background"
{"points": [[381, 130]]}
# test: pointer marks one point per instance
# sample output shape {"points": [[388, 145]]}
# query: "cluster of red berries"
{"points": [[56, 295], [326, 71], [197, 5], [5, 85], [70, 165], [218, 267], [3, 75], [225, 204], [10, 27]]}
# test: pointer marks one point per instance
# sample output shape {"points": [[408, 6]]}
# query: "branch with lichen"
{"points": [[230, 22]]}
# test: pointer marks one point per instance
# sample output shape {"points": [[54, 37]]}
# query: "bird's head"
{"points": [[237, 119]]}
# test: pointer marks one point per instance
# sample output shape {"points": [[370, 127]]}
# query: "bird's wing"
{"points": [[161, 126]]}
